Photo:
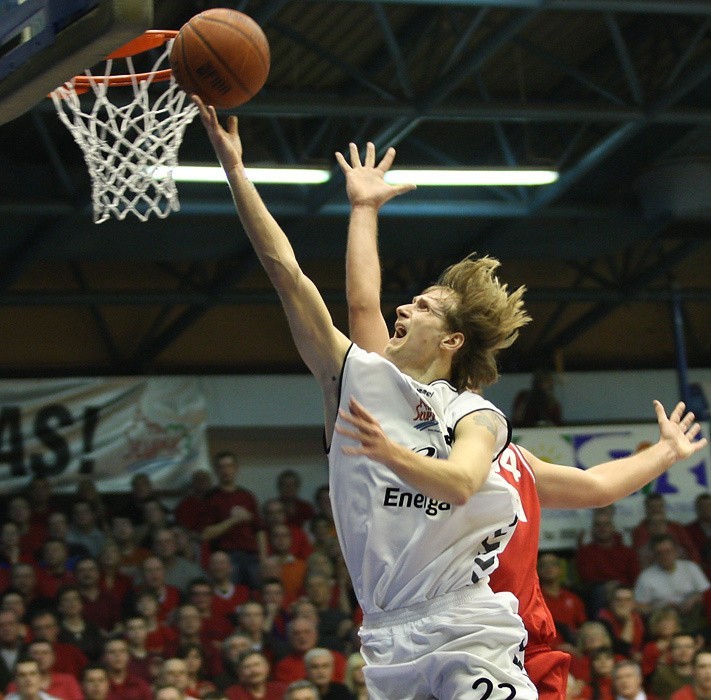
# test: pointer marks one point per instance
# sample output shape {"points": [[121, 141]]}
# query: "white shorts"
{"points": [[465, 645]]}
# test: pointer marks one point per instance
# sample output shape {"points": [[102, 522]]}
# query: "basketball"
{"points": [[222, 56]]}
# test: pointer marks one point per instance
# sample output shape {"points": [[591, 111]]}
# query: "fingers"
{"points": [[387, 159], [343, 162], [369, 155], [355, 156]]}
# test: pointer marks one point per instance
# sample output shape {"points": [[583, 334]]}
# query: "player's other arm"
{"points": [[320, 344], [559, 486], [367, 192], [454, 479]]}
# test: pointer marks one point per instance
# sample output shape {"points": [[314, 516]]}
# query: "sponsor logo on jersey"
{"points": [[424, 416], [395, 498], [426, 392]]}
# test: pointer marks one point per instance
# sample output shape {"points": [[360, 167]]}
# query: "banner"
{"points": [[584, 447], [109, 429]]}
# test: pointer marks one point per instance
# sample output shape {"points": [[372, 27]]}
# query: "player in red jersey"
{"points": [[537, 482]]}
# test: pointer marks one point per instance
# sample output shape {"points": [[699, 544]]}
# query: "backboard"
{"points": [[43, 43]]}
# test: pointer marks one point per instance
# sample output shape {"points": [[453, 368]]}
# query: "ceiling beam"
{"points": [[159, 297], [671, 7], [443, 208]]}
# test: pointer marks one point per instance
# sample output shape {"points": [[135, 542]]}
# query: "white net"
{"points": [[125, 144]]}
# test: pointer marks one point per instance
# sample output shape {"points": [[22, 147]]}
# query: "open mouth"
{"points": [[400, 331]]}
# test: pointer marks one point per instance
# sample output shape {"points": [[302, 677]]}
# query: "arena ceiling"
{"points": [[616, 94]]}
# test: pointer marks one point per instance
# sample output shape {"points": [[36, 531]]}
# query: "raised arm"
{"points": [[560, 486], [321, 345], [367, 192]]}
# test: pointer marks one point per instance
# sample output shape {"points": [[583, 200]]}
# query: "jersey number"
{"points": [[489, 687]]}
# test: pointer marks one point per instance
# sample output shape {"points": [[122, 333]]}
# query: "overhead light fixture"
{"points": [[275, 175], [463, 177], [437, 177]]}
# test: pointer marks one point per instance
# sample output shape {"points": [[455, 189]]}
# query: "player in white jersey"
{"points": [[557, 486], [431, 647]]}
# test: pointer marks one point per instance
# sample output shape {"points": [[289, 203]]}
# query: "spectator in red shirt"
{"points": [[275, 514], [215, 628], [99, 607], [39, 498], [153, 579], [624, 622], [32, 535], [159, 634], [567, 608], [303, 636], [236, 525], [188, 625], [122, 684], [654, 505], [591, 637], [227, 595], [253, 672], [111, 579], [23, 580], [54, 571], [251, 620], [193, 511], [131, 555], [699, 530], [604, 559], [136, 633], [298, 511], [602, 663], [196, 665], [67, 658], [60, 685], [700, 687]]}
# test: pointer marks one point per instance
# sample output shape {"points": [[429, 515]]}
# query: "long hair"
{"points": [[486, 313]]}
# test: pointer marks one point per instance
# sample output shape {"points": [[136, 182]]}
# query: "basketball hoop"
{"points": [[123, 144]]}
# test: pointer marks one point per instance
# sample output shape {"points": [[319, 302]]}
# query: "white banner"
{"points": [[108, 428], [584, 447]]}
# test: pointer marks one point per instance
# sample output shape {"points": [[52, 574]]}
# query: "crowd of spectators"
{"points": [[635, 612], [214, 595], [145, 597]]}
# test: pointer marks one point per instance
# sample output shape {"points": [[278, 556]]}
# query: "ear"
{"points": [[453, 341]]}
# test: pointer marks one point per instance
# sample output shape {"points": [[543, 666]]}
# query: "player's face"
{"points": [[419, 329]]}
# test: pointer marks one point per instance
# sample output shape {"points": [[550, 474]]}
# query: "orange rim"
{"points": [[151, 39]]}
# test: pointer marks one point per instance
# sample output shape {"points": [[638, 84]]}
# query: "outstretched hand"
{"points": [[226, 142], [679, 431], [366, 431], [365, 182]]}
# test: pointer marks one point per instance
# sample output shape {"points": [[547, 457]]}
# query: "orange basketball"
{"points": [[222, 56]]}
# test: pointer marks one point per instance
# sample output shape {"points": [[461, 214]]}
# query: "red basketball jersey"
{"points": [[517, 572]]}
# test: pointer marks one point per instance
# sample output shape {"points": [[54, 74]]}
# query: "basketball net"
{"points": [[124, 144]]}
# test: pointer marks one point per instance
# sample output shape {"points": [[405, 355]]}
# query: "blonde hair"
{"points": [[488, 316]]}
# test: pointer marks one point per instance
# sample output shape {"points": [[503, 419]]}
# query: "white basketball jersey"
{"points": [[402, 548]]}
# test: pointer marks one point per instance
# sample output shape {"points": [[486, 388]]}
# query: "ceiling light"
{"points": [[275, 175], [439, 177], [482, 177]]}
